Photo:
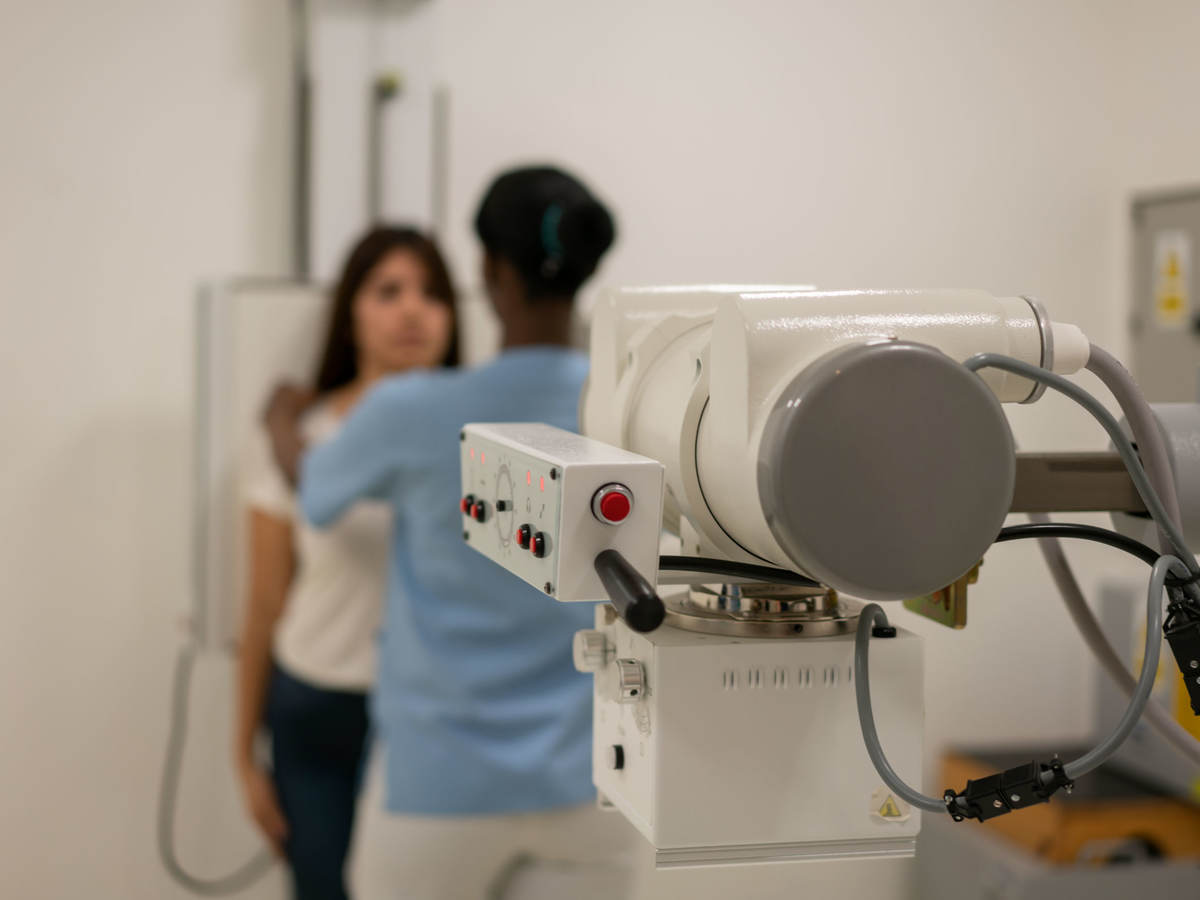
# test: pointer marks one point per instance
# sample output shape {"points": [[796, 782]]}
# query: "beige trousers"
{"points": [[579, 853]]}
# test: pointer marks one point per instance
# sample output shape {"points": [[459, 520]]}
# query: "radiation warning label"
{"points": [[887, 806], [1172, 273]]}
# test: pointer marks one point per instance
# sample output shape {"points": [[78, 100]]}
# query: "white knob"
{"points": [[591, 651], [631, 681]]}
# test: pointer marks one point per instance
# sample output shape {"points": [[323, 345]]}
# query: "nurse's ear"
{"points": [[488, 271], [504, 285]]}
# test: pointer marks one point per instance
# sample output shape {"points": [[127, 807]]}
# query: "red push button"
{"points": [[615, 507], [523, 535], [479, 510], [612, 504], [537, 546], [466, 503]]}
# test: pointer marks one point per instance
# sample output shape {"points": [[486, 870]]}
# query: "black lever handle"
{"points": [[632, 595]]}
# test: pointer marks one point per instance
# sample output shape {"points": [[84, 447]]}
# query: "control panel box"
{"points": [[543, 502], [731, 749]]}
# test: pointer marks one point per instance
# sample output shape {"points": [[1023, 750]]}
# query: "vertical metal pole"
{"points": [[440, 175], [385, 86], [301, 211], [375, 103], [198, 630], [374, 157]]}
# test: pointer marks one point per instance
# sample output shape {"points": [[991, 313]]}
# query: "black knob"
{"points": [[616, 757], [631, 594]]}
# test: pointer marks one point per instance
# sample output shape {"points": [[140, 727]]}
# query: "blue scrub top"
{"points": [[477, 702]]}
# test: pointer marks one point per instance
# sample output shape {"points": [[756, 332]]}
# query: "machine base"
{"points": [[723, 749]]}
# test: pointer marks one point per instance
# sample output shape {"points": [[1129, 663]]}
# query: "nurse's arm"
{"points": [[362, 459]]}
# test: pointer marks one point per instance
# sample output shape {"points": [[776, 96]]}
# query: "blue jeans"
{"points": [[318, 738]]}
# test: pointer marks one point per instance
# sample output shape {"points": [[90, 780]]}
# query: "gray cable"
{"points": [[1064, 579], [868, 616], [1097, 756], [1151, 446], [168, 793], [873, 613], [1124, 447]]}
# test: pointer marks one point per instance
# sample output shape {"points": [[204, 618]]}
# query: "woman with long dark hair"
{"points": [[307, 657]]}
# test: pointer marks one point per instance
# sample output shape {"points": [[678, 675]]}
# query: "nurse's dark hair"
{"points": [[548, 225], [339, 357]]}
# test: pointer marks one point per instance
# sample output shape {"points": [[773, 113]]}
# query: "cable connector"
{"points": [[1182, 631], [1016, 788]]}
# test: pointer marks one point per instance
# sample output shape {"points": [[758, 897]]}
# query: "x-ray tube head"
{"points": [[870, 486], [832, 433]]}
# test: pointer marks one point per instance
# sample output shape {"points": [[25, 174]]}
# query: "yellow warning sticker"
{"points": [[887, 806], [1172, 267]]}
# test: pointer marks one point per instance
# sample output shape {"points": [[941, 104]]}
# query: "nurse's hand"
{"points": [[282, 416], [258, 792]]}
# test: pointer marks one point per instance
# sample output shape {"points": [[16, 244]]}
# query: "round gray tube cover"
{"points": [[886, 470]]}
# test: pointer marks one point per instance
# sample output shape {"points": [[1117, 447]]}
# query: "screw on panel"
{"points": [[1015, 798], [466, 535], [553, 474], [998, 804], [462, 435], [548, 588], [1195, 663]]}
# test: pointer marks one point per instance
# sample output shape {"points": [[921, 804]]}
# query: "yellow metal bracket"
{"points": [[949, 605]]}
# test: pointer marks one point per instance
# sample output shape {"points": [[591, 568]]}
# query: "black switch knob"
{"points": [[616, 757]]}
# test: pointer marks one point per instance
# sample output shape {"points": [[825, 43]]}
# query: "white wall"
{"points": [[144, 146], [864, 143]]}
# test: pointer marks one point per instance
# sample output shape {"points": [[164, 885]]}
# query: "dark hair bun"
{"points": [[586, 232], [548, 225]]}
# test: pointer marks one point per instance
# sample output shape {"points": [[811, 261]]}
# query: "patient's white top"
{"points": [[327, 632]]}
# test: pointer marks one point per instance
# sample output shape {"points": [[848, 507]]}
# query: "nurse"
{"points": [[483, 727]]}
